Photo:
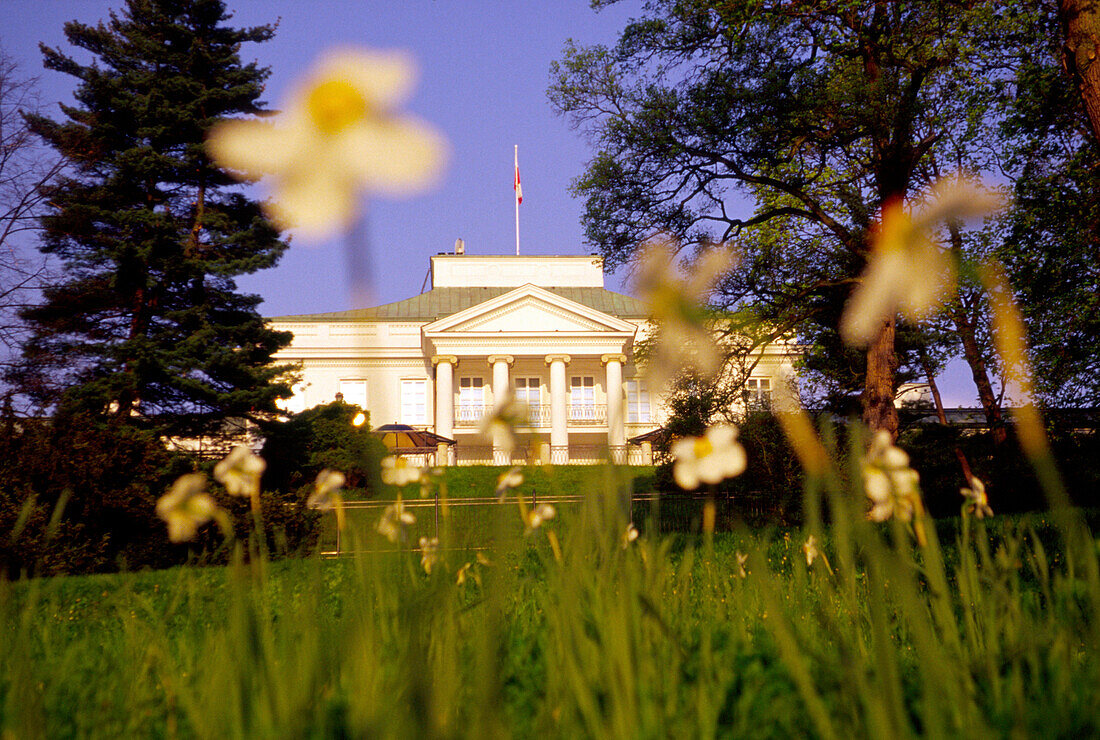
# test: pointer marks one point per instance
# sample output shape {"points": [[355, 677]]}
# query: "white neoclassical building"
{"points": [[543, 329]]}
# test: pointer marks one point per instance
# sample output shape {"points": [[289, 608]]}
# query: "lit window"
{"points": [[582, 398], [758, 393], [414, 401], [638, 410], [354, 392], [528, 392], [471, 399]]}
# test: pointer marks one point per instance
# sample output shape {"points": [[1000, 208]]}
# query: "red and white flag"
{"points": [[519, 188]]}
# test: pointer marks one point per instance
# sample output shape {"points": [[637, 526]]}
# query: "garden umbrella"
{"points": [[402, 439]]}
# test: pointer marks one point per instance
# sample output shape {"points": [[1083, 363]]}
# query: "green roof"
{"points": [[440, 302]]}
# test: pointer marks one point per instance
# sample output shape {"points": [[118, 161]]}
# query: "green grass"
{"points": [[994, 635]]}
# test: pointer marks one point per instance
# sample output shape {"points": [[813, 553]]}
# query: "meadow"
{"points": [[575, 629]]}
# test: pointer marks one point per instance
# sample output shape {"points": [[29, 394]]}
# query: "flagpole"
{"points": [[517, 199]]}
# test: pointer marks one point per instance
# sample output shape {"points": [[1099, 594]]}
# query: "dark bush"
{"points": [[297, 449]]}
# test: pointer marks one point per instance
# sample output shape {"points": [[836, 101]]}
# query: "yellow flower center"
{"points": [[334, 105], [702, 448]]}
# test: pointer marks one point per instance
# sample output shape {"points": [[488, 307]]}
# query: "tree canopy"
{"points": [[146, 324], [786, 126]]}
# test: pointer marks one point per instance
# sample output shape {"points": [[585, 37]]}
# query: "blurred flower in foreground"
{"points": [[742, 561], [359, 420], [240, 472], [337, 135], [395, 521], [977, 503], [396, 471], [629, 535], [892, 486], [908, 273], [186, 507], [508, 480], [499, 427], [429, 553], [712, 458], [326, 494], [540, 514], [809, 549], [684, 337]]}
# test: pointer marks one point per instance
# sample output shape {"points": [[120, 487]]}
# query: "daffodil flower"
{"points": [[809, 549], [337, 135], [712, 458], [684, 336], [500, 425], [891, 485], [508, 480], [908, 273], [629, 535], [396, 471], [395, 522], [539, 515], [326, 494], [429, 553], [186, 507], [240, 472], [742, 560], [977, 503]]}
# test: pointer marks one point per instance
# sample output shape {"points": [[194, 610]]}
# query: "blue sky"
{"points": [[483, 74]]}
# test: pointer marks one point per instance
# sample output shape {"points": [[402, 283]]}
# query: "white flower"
{"points": [[629, 535], [396, 471], [540, 514], [326, 490], [509, 480], [186, 507], [337, 135], [908, 273], [684, 338], [892, 486], [395, 521], [742, 560], [977, 503], [712, 458], [809, 549], [500, 425], [429, 553], [240, 472]]}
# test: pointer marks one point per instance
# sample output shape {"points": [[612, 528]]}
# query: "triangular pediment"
{"points": [[526, 310]]}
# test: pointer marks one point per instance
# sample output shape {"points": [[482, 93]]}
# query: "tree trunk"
{"points": [[941, 414], [879, 411], [1081, 31], [978, 370]]}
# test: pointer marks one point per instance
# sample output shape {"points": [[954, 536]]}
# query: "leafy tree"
{"points": [[147, 325], [1054, 231], [817, 113]]}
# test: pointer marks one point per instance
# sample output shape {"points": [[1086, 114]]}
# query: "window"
{"points": [[414, 401], [354, 392], [582, 398], [637, 403], [529, 393], [471, 399], [758, 393]]}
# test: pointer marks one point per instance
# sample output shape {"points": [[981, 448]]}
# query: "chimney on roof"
{"points": [[460, 246]]}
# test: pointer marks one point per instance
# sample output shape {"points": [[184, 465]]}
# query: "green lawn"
{"points": [[995, 636]]}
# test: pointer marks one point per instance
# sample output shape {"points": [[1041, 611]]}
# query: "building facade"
{"points": [[541, 329]]}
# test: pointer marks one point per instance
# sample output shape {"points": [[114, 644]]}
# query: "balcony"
{"points": [[538, 417]]}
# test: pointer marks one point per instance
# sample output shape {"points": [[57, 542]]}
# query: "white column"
{"points": [[559, 410], [616, 422], [444, 402], [501, 393]]}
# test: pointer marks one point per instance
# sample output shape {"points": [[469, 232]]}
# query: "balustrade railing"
{"points": [[578, 414]]}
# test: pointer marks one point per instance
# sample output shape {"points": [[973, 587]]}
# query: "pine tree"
{"points": [[146, 325]]}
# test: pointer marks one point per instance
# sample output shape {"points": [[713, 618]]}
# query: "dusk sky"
{"points": [[483, 75]]}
